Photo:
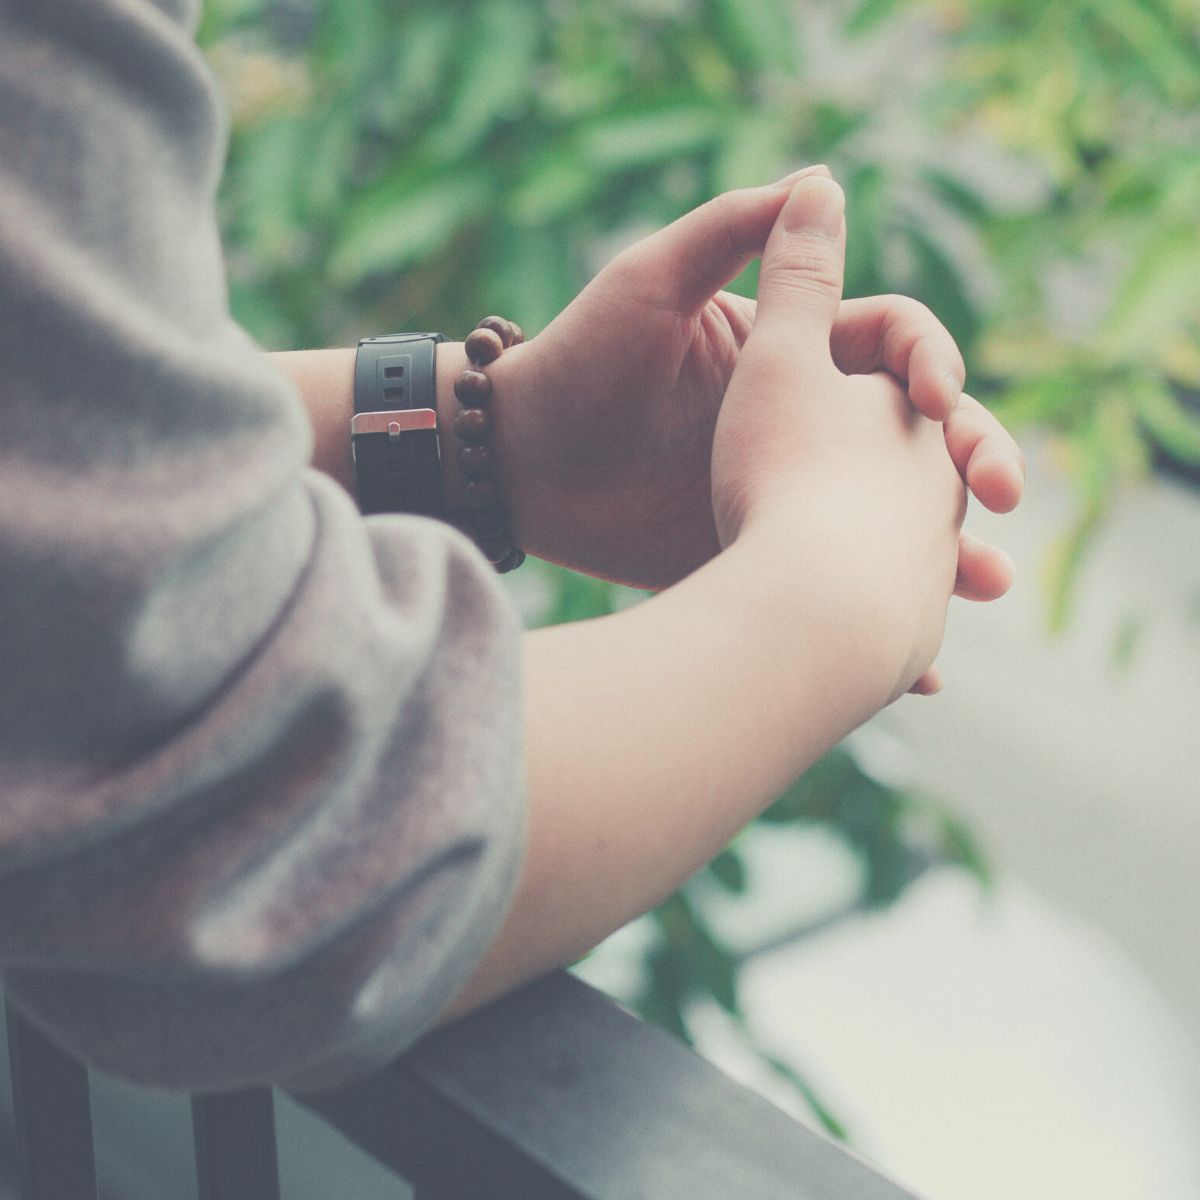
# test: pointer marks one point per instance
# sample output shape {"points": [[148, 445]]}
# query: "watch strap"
{"points": [[394, 437]]}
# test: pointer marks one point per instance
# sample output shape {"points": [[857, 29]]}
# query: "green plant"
{"points": [[416, 164], [1101, 98]]}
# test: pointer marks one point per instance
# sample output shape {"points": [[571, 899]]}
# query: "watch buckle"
{"points": [[394, 424]]}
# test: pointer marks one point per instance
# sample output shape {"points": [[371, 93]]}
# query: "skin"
{"points": [[838, 513], [800, 514], [605, 420]]}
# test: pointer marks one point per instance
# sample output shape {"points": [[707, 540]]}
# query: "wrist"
{"points": [[324, 380], [809, 541]]}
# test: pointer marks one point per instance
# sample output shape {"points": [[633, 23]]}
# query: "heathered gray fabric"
{"points": [[261, 801]]}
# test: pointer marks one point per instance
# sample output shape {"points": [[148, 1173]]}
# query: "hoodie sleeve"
{"points": [[261, 794]]}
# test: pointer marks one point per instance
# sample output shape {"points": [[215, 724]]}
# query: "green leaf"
{"points": [[816, 794], [940, 285], [729, 871], [423, 60], [714, 968], [532, 273], [223, 16], [1127, 639], [761, 35], [270, 187], [502, 41], [826, 1117], [256, 312], [639, 139], [830, 125], [959, 195], [557, 183], [960, 848], [330, 160], [395, 223], [866, 219], [354, 39], [1159, 296], [662, 1000], [1173, 427], [868, 15], [578, 598], [1063, 563], [1165, 58], [754, 150]]}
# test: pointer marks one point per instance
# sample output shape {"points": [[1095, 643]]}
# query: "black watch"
{"points": [[393, 433]]}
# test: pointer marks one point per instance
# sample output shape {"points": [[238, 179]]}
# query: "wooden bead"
{"points": [[499, 326], [495, 550], [483, 346], [473, 424], [481, 511], [491, 523], [480, 493], [475, 460], [473, 389]]}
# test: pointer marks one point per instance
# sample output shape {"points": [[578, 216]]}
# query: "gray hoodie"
{"points": [[261, 800]]}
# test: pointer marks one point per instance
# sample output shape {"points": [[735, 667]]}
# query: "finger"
{"points": [[688, 262], [986, 455], [929, 684], [901, 335], [800, 284], [985, 572]]}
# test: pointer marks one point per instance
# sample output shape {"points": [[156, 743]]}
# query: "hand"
{"points": [[606, 423], [813, 452]]}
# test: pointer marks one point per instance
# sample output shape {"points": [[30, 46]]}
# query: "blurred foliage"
{"points": [[1094, 329], [1028, 168]]}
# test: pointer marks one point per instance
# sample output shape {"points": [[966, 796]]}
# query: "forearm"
{"points": [[325, 381], [653, 735]]}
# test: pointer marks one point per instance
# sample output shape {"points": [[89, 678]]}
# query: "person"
{"points": [[282, 787]]}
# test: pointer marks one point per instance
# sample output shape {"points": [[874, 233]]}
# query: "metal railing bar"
{"points": [[52, 1114], [557, 1093]]}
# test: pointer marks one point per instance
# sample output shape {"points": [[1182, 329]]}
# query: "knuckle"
{"points": [[810, 266], [906, 309]]}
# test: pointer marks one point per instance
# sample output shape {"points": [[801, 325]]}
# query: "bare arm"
{"points": [[325, 381], [653, 735]]}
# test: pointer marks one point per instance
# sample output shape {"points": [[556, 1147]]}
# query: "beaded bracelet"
{"points": [[484, 515]]}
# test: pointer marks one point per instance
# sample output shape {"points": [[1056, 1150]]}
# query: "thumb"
{"points": [[800, 283], [684, 265]]}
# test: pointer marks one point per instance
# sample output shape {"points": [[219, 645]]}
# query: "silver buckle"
{"points": [[403, 420]]}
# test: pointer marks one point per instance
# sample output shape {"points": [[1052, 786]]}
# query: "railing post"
{"points": [[235, 1145], [53, 1116]]}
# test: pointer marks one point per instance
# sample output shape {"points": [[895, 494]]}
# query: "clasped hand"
{"points": [[610, 413]]}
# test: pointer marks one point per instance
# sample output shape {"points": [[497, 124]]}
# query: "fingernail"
{"points": [[816, 205], [803, 173], [953, 392]]}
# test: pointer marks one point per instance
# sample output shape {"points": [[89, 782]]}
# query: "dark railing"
{"points": [[552, 1093]]}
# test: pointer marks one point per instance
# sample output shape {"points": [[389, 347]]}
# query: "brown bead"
{"points": [[473, 424], [499, 326], [480, 493], [495, 550], [511, 561], [491, 523], [518, 334], [475, 460], [483, 346], [473, 389]]}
